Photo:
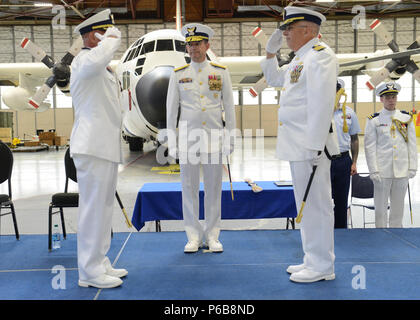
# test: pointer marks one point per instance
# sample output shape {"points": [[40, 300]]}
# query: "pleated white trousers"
{"points": [[212, 179], [97, 181], [317, 225], [392, 189]]}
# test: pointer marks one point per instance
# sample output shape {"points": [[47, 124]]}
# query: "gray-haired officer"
{"points": [[95, 146], [391, 156], [201, 92], [305, 118], [343, 166]]}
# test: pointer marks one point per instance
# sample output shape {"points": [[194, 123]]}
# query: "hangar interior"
{"points": [[39, 175]]}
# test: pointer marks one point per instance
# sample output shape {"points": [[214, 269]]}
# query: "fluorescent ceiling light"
{"points": [[42, 4]]}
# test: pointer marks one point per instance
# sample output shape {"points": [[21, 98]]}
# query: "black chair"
{"points": [[362, 195], [6, 167], [64, 199]]}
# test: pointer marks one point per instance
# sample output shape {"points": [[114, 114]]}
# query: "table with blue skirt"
{"points": [[163, 201]]}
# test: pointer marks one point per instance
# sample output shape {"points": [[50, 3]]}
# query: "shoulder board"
{"points": [[373, 115], [318, 48], [217, 65], [403, 111], [180, 68]]}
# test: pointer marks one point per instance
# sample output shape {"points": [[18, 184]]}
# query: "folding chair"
{"points": [[362, 195], [6, 167], [64, 199]]}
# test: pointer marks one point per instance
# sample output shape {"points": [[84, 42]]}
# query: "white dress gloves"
{"points": [[274, 42]]}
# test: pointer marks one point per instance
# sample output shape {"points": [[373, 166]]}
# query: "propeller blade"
{"points": [[377, 78], [37, 52], [379, 29], [382, 74], [42, 93], [414, 69], [73, 51], [258, 87], [259, 34]]}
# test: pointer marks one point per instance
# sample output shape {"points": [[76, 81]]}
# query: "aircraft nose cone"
{"points": [[151, 92]]}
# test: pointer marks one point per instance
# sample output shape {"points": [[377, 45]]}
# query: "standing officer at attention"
{"points": [[305, 116], [391, 156], [95, 146], [343, 166], [200, 92]]}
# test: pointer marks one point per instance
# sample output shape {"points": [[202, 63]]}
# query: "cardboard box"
{"points": [[49, 142], [60, 141], [31, 143], [6, 132], [6, 140], [46, 136]]}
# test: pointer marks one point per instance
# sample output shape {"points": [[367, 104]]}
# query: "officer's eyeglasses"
{"points": [[291, 27]]}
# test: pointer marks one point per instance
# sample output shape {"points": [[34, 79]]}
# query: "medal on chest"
{"points": [[215, 82], [296, 72]]}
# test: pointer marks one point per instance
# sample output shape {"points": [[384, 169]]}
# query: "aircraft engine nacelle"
{"points": [[398, 73], [16, 98]]}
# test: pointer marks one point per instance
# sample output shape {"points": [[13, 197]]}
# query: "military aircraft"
{"points": [[145, 68]]}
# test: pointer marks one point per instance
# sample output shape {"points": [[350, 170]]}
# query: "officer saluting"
{"points": [[95, 146], [200, 92], [305, 118], [391, 155]]}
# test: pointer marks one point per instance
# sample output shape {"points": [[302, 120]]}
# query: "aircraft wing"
{"points": [[37, 72]]}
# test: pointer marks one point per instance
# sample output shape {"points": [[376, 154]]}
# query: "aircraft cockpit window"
{"points": [[180, 46], [137, 52], [164, 45], [130, 55], [138, 71], [148, 47], [140, 62]]}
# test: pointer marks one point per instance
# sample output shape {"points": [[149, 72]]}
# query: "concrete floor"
{"points": [[37, 175]]}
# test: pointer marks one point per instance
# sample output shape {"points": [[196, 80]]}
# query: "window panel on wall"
{"points": [[235, 97], [6, 45], [363, 92], [405, 24], [404, 39], [21, 54], [269, 96], [365, 38], [247, 98], [417, 93], [63, 101], [216, 43], [42, 38], [231, 39], [135, 31], [61, 42], [406, 87]]}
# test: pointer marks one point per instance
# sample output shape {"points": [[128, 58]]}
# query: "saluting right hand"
{"points": [[274, 42], [112, 32]]}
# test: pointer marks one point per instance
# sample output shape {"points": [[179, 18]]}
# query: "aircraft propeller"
{"points": [[60, 70]]}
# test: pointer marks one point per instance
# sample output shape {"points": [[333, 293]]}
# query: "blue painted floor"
{"points": [[373, 264]]}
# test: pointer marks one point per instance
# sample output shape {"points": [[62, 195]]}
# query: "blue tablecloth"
{"points": [[163, 201]]}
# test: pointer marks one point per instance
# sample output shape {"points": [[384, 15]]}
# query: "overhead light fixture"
{"points": [[42, 4], [259, 8]]}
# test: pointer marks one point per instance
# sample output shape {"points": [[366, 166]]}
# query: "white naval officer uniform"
{"points": [[200, 93], [388, 154], [95, 146], [305, 115]]}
